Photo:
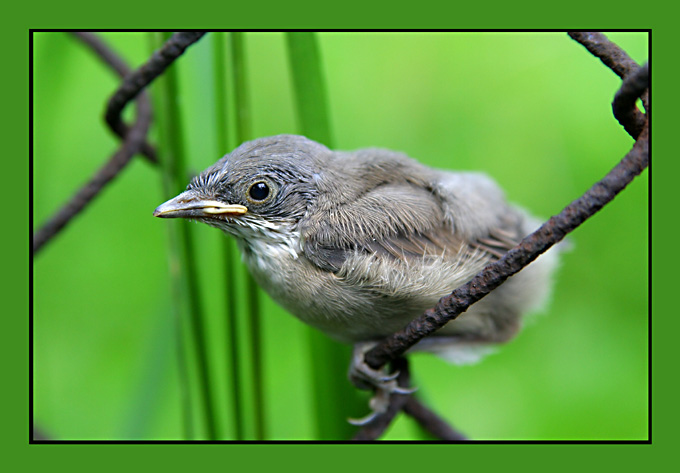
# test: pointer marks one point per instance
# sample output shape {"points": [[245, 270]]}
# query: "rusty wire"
{"points": [[135, 136], [115, 62], [157, 63], [132, 143], [430, 421], [624, 107], [606, 51], [550, 233], [634, 86], [553, 231], [622, 64]]}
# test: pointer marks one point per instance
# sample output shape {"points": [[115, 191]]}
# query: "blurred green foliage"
{"points": [[530, 109]]}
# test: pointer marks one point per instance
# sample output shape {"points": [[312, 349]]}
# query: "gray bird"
{"points": [[357, 244]]}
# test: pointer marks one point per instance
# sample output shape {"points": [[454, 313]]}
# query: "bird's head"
{"points": [[260, 190]]}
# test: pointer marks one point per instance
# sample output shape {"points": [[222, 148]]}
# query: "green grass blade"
{"points": [[169, 178], [233, 342], [183, 254], [256, 415], [335, 399], [137, 422], [309, 85]]}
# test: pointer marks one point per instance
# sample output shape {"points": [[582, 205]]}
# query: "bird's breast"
{"points": [[371, 296]]}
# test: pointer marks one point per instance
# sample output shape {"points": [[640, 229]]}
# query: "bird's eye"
{"points": [[259, 191]]}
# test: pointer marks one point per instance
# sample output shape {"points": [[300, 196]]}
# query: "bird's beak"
{"points": [[188, 205]]}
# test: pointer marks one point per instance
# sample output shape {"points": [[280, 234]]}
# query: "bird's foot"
{"points": [[380, 381]]}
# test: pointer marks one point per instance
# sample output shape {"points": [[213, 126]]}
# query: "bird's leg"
{"points": [[380, 381]]}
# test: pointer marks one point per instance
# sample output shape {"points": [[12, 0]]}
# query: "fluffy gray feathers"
{"points": [[359, 243]]}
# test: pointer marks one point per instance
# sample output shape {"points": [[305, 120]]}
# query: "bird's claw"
{"points": [[390, 377], [383, 384], [364, 420], [400, 390]]}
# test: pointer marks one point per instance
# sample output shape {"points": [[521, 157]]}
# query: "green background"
{"points": [[530, 109]]}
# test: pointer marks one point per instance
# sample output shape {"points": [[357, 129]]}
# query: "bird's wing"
{"points": [[436, 243], [392, 229]]}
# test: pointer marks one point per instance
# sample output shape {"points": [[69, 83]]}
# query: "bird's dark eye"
{"points": [[259, 191]]}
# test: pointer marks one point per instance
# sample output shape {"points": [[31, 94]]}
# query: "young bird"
{"points": [[357, 244]]}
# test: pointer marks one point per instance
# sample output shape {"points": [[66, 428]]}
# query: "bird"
{"points": [[359, 243]]}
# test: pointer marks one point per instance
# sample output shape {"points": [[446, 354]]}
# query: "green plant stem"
{"points": [[184, 255], [335, 399], [310, 87], [243, 133], [232, 336], [168, 174]]}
